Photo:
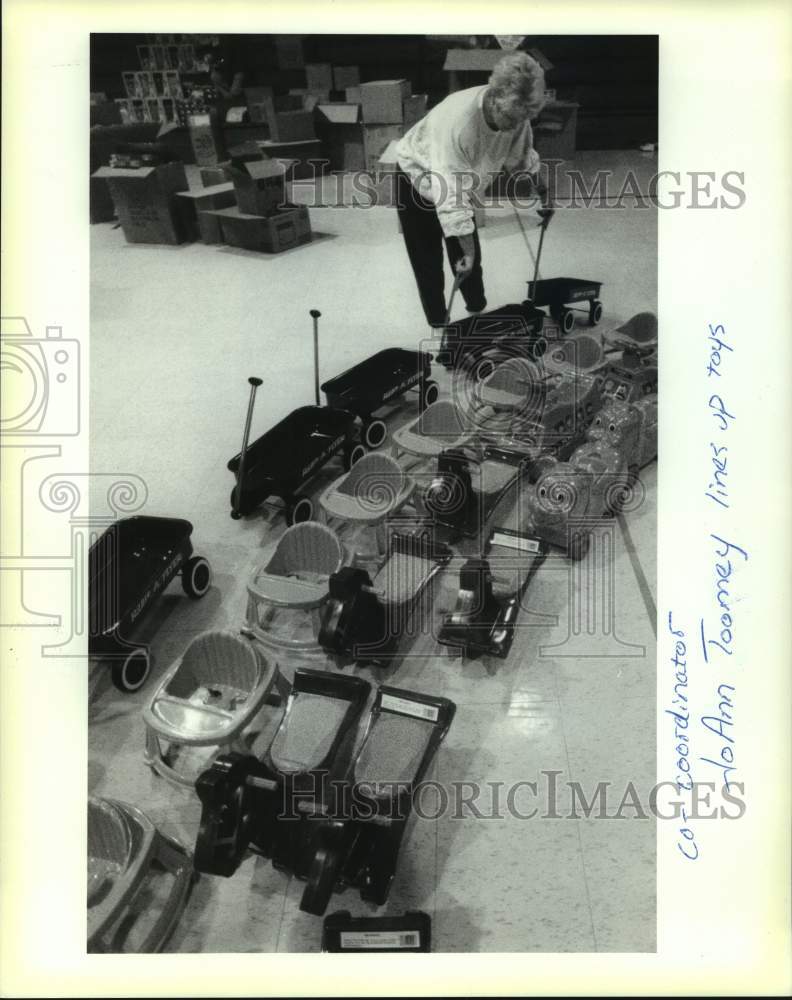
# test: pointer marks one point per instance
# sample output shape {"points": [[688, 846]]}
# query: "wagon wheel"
{"points": [[300, 509], [353, 452], [196, 577], [595, 312], [130, 673], [429, 393], [374, 433], [245, 506], [567, 320]]}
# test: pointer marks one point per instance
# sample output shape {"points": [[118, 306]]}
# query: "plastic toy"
{"points": [[558, 293], [381, 379], [598, 476], [375, 488], [469, 485], [269, 802], [410, 932], [130, 564], [365, 619], [126, 857], [361, 850], [286, 595], [284, 459], [206, 699], [631, 371], [490, 592], [441, 425]]}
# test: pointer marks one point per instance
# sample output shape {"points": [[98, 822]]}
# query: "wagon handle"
{"points": [[458, 279], [315, 314], [542, 230], [254, 384]]}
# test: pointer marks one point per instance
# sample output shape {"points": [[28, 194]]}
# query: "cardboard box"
{"points": [[376, 139], [195, 208], [259, 186], [100, 202], [203, 141], [257, 95], [338, 126], [383, 101], [413, 109], [289, 227], [306, 159], [352, 95], [107, 113], [211, 176], [144, 201], [345, 76], [319, 76], [287, 102], [291, 126]]}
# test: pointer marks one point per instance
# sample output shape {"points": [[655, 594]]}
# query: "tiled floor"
{"points": [[175, 332]]}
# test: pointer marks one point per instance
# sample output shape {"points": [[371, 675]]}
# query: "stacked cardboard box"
{"points": [[339, 128], [262, 219], [144, 200], [388, 111], [196, 210]]}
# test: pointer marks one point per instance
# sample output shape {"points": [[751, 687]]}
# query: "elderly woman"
{"points": [[451, 155]]}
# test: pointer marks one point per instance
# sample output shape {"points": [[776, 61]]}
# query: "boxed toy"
{"points": [[319, 76], [195, 208], [290, 226], [345, 76]]}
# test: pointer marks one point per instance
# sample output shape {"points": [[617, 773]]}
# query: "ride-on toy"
{"points": [[130, 564], [490, 592], [366, 619], [379, 380]]}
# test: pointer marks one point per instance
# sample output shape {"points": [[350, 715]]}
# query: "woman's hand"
{"points": [[465, 263]]}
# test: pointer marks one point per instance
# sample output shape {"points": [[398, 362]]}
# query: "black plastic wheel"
{"points": [[429, 393], [299, 510], [130, 674], [484, 369], [567, 320], [196, 577], [374, 433], [595, 312], [352, 454]]}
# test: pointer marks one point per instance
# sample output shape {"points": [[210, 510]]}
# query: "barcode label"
{"points": [[515, 542], [417, 709], [380, 939]]}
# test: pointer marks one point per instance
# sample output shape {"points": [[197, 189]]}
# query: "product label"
{"points": [[416, 709], [515, 542], [402, 386], [380, 939]]}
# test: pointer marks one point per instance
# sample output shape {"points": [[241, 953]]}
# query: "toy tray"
{"points": [[288, 454], [441, 425], [125, 563], [559, 291], [385, 375]]}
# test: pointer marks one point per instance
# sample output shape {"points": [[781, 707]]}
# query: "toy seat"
{"points": [[127, 856], [375, 487], [638, 334], [583, 353], [269, 802], [293, 581], [510, 386], [206, 699], [440, 426]]}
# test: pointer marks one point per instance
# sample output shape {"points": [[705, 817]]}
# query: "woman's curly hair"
{"points": [[518, 84]]}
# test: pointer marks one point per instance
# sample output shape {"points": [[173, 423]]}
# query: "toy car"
{"points": [[130, 564], [380, 379]]}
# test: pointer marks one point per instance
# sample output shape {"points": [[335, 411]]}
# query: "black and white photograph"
{"points": [[415, 277], [361, 594]]}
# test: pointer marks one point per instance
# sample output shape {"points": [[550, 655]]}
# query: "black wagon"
{"points": [[371, 384], [282, 461], [514, 330], [129, 565], [564, 296]]}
